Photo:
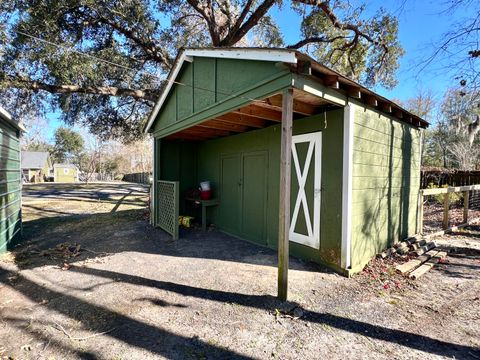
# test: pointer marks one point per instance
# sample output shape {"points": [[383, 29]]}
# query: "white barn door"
{"points": [[306, 189]]}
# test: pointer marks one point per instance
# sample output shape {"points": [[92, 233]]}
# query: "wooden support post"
{"points": [[446, 207], [420, 213], [466, 196], [284, 200]]}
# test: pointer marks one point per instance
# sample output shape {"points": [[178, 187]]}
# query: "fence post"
{"points": [[420, 213], [446, 207], [466, 196]]}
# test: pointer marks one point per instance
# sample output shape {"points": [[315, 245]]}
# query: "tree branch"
{"points": [[237, 34], [21, 82], [314, 39], [209, 16], [148, 46], [337, 23]]}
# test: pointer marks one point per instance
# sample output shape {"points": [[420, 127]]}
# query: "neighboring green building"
{"points": [[65, 173], [355, 155], [10, 181]]}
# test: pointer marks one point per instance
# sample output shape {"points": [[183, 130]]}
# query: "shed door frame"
{"points": [[314, 151]]}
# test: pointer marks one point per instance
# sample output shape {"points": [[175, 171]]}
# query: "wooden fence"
{"points": [[450, 177], [447, 191], [141, 177]]}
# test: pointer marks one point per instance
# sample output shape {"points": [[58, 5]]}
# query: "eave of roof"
{"points": [[287, 56], [4, 114]]}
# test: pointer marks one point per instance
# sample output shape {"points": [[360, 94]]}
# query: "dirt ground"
{"points": [[94, 281]]}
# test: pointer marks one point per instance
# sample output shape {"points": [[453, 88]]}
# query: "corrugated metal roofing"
{"points": [[34, 159]]}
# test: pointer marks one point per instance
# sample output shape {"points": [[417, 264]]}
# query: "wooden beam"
{"points": [[370, 100], [304, 67], [182, 136], [299, 107], [195, 130], [331, 81], [446, 208], [354, 92], [397, 113], [223, 125], [466, 197], [385, 107], [284, 199], [260, 112], [239, 119]]}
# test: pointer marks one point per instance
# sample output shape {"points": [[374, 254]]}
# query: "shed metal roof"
{"points": [[34, 159], [290, 57]]}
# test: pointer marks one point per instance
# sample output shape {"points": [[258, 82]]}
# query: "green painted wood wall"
{"points": [[207, 87], [10, 186], [385, 183], [243, 156]]}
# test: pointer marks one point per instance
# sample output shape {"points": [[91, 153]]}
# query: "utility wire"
{"points": [[162, 79]]}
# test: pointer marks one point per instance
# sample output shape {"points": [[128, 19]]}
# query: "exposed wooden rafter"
{"points": [[223, 125], [240, 119], [298, 106], [260, 112], [331, 81]]}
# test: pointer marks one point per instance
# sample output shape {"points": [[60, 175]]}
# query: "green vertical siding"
{"points": [[244, 171], [10, 186], [207, 87], [385, 183]]}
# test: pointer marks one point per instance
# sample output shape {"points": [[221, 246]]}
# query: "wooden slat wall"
{"points": [[10, 185], [449, 177]]}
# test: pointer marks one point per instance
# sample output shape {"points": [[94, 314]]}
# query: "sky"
{"points": [[421, 25]]}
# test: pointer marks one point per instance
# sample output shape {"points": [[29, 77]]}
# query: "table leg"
{"points": [[204, 218]]}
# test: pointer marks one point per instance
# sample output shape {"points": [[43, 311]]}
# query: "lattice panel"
{"points": [[168, 201]]}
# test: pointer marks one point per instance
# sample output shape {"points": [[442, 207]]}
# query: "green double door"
{"points": [[243, 195]]}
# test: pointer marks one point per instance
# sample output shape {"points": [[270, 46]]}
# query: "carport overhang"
{"points": [[315, 88]]}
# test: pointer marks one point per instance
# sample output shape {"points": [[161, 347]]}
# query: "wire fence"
{"points": [[444, 208]]}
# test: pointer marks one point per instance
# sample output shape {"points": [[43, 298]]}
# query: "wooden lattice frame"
{"points": [[168, 206]]}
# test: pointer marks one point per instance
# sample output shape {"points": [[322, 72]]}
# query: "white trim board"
{"points": [[348, 123], [314, 151], [287, 56]]}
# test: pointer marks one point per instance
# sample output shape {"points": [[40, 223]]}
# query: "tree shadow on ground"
{"points": [[159, 341], [126, 231]]}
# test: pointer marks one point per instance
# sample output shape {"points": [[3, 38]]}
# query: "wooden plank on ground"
{"points": [[421, 270], [411, 265]]}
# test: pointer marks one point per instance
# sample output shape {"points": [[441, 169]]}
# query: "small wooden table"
{"points": [[204, 204]]}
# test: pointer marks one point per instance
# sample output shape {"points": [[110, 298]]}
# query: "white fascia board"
{"points": [[246, 54], [242, 54], [348, 124]]}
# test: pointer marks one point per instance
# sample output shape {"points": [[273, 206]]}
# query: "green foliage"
{"points": [[440, 198], [363, 62], [68, 145], [132, 44]]}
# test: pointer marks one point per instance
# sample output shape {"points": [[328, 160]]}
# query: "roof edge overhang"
{"points": [[4, 114], [276, 55], [351, 88]]}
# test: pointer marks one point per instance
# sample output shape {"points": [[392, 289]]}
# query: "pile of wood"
{"points": [[422, 254], [419, 266]]}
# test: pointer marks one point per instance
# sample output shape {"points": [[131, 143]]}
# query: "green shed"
{"points": [[10, 181], [293, 150]]}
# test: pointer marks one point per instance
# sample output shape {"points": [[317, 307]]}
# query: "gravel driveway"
{"points": [[94, 281]]}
